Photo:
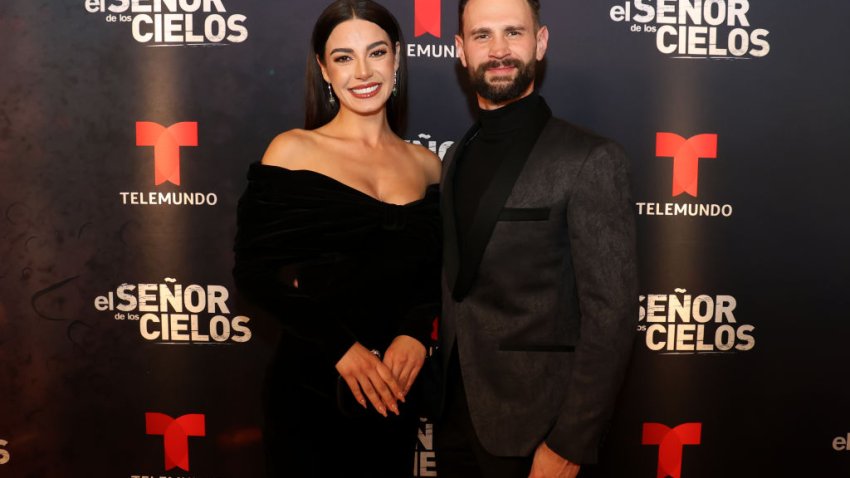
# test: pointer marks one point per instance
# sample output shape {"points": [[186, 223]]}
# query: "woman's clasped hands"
{"points": [[383, 382]]}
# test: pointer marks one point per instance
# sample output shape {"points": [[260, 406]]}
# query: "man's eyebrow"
{"points": [[507, 28], [349, 50], [476, 31]]}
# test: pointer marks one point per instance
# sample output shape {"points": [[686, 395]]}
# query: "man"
{"points": [[540, 282]]}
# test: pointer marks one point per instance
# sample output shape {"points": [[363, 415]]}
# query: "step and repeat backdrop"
{"points": [[127, 127]]}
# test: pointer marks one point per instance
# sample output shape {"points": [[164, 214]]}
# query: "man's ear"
{"points": [[459, 50], [542, 42]]}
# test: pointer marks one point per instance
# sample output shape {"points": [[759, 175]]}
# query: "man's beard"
{"points": [[503, 89]]}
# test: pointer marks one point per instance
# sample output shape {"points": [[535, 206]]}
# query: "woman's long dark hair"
{"points": [[319, 110]]}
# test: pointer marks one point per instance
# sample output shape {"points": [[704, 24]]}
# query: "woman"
{"points": [[339, 238]]}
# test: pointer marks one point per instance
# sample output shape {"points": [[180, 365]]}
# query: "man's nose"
{"points": [[499, 48]]}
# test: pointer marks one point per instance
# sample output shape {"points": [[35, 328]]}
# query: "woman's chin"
{"points": [[368, 108]]}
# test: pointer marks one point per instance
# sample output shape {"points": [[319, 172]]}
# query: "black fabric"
{"points": [[306, 436], [458, 449], [334, 266], [498, 130], [486, 167]]}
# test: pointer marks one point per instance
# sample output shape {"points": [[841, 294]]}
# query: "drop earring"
{"points": [[395, 83], [331, 98]]}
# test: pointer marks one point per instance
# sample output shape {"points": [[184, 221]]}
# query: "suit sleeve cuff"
{"points": [[576, 446]]}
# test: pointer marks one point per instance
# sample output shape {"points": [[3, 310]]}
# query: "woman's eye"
{"points": [[379, 53], [342, 59]]}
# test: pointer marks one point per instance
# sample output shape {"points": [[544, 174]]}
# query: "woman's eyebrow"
{"points": [[350, 50]]}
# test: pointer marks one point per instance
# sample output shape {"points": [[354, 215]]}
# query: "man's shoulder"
{"points": [[579, 149], [574, 146], [572, 134]]}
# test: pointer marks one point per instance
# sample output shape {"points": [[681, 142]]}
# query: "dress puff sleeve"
{"points": [[277, 245]]}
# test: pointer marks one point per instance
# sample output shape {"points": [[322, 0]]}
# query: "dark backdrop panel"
{"points": [[77, 382]]}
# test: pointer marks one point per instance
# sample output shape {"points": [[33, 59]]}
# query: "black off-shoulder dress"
{"points": [[335, 266]]}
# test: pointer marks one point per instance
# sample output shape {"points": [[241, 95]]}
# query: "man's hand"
{"points": [[548, 464], [405, 357]]}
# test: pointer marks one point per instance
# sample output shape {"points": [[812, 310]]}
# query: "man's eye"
{"points": [[481, 37]]}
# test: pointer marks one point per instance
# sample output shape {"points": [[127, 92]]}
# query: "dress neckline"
{"points": [[428, 189]]}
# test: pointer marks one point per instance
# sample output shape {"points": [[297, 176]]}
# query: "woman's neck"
{"points": [[370, 130]]}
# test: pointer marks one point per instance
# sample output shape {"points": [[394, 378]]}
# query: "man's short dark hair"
{"points": [[534, 4]]}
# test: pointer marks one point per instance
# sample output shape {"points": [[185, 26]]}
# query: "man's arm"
{"points": [[601, 225]]}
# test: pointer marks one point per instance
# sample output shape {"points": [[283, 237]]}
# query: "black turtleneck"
{"points": [[499, 130]]}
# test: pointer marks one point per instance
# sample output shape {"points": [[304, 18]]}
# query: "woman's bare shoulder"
{"points": [[290, 149], [430, 162]]}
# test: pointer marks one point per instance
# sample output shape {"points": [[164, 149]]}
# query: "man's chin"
{"points": [[500, 89]]}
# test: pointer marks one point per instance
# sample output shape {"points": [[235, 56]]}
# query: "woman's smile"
{"points": [[365, 91]]}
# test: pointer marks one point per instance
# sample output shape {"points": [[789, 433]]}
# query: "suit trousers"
{"points": [[459, 453]]}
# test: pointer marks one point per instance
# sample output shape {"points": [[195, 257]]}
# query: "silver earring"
{"points": [[395, 84], [331, 98]]}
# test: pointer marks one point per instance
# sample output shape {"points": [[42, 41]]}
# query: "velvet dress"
{"points": [[335, 266]]}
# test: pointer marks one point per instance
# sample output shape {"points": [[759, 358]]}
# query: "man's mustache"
{"points": [[501, 64]]}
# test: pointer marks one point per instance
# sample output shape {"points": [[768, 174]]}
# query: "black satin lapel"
{"points": [[451, 255], [490, 207]]}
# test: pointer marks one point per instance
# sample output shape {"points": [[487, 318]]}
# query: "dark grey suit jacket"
{"points": [[544, 304]]}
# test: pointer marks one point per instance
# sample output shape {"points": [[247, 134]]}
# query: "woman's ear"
{"points": [[324, 70]]}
